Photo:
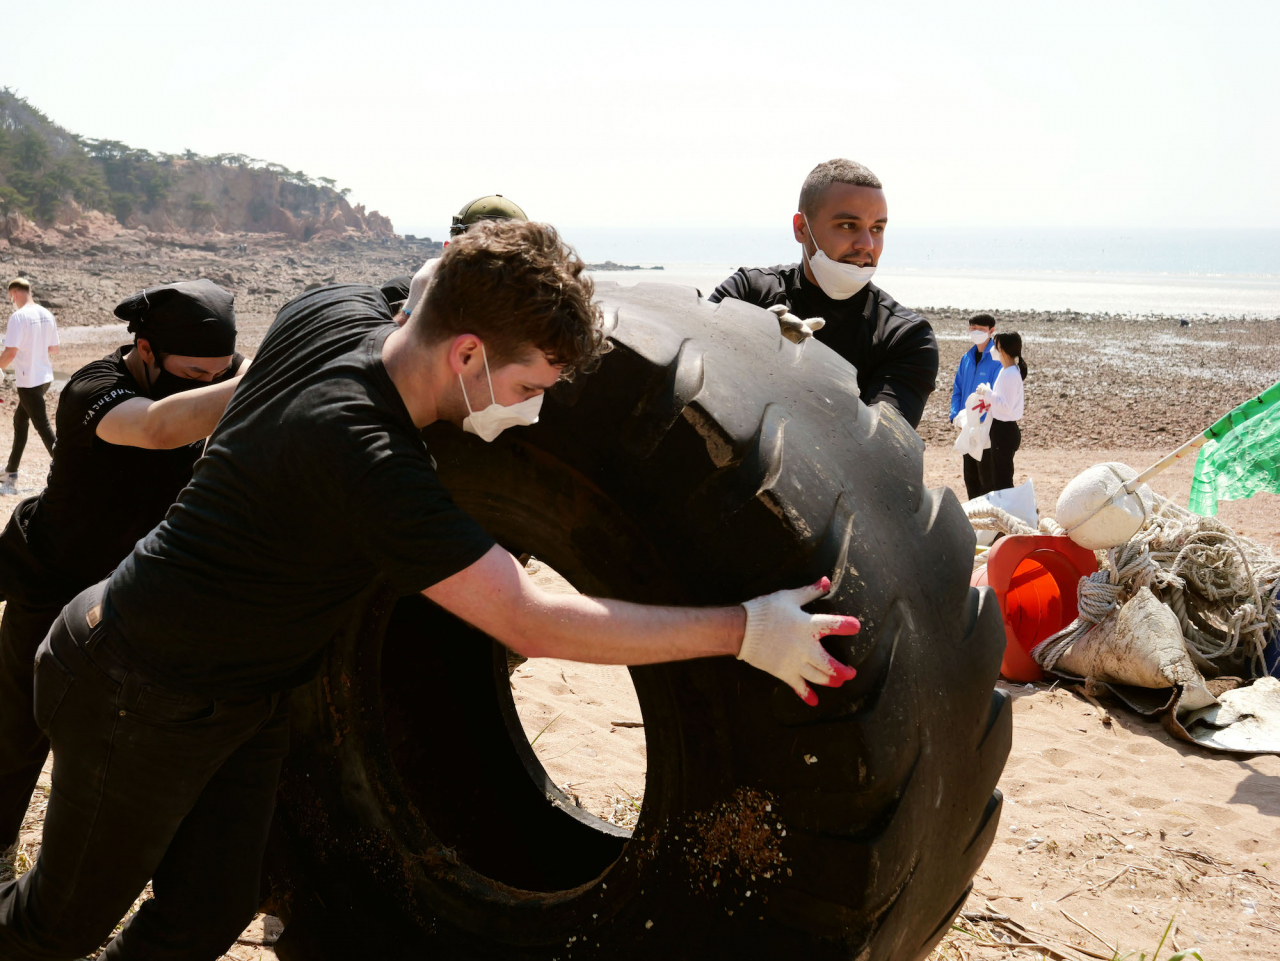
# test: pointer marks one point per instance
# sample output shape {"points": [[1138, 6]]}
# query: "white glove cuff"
{"points": [[762, 621]]}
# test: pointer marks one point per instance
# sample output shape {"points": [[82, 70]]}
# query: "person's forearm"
{"points": [[495, 595], [579, 628], [185, 418], [772, 632]]}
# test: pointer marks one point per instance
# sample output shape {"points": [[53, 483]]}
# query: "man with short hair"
{"points": [[130, 428], [164, 689], [840, 227], [979, 365], [31, 337]]}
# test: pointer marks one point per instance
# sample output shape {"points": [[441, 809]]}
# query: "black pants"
{"points": [[30, 409], [995, 471], [23, 746], [148, 784]]}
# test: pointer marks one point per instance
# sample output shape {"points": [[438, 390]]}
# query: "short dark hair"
{"points": [[837, 171], [983, 320], [516, 285], [21, 283]]}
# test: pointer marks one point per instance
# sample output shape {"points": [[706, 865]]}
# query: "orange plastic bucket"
{"points": [[1034, 577]]}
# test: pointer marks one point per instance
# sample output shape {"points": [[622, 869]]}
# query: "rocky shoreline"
{"points": [[83, 278], [610, 265], [1096, 380], [1107, 380]]}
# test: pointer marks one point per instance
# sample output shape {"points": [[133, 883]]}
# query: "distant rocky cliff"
{"points": [[55, 184]]}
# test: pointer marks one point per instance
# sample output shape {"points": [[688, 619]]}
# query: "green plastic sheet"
{"points": [[1242, 456]]}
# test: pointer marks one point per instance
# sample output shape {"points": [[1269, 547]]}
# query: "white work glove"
{"points": [[782, 640], [793, 328], [983, 390]]}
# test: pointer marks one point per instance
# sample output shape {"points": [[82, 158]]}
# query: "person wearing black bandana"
{"points": [[130, 428]]}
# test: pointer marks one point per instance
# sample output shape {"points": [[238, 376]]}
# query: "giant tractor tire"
{"points": [[708, 460]]}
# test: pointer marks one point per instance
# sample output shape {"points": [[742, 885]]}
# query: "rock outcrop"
{"points": [[53, 182], [206, 197]]}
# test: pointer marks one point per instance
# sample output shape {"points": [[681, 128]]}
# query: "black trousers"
{"points": [[30, 409], [148, 784], [995, 471], [23, 746]]}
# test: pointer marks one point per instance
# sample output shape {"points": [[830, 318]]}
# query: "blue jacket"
{"points": [[972, 372]]}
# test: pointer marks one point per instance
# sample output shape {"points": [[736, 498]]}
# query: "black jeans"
{"points": [[148, 784], [29, 409], [23, 746], [995, 471]]}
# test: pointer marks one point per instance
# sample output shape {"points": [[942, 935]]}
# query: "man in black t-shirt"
{"points": [[840, 227], [163, 689], [130, 427]]}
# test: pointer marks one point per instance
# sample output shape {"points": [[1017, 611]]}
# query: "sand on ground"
{"points": [[1134, 825]]}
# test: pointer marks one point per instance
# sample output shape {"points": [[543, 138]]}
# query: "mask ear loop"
{"points": [[467, 400], [803, 248], [485, 354]]}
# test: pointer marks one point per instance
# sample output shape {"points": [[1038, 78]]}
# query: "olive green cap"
{"points": [[493, 207]]}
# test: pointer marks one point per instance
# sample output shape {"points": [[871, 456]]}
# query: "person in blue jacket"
{"points": [[979, 365]]}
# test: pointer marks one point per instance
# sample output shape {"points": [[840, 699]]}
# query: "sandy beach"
{"points": [[1134, 826], [1111, 828]]}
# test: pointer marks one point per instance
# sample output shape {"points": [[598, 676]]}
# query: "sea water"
{"points": [[1193, 273]]}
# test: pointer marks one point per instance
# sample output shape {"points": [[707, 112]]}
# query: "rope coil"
{"points": [[1222, 587]]}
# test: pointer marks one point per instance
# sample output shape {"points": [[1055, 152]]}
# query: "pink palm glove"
{"points": [[782, 640]]}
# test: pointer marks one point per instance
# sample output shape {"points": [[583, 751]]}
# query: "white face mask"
{"points": [[979, 337], [494, 419], [838, 281]]}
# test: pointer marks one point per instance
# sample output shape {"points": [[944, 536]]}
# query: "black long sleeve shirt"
{"points": [[892, 348]]}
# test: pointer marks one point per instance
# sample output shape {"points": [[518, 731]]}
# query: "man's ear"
{"points": [[145, 352], [797, 227], [464, 351]]}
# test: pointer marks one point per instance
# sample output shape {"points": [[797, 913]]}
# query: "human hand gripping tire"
{"points": [[785, 641]]}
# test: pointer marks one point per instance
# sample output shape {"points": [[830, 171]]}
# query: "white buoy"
{"points": [[1096, 510]]}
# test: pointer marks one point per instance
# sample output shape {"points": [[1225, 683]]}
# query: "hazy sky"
{"points": [[1119, 114]]}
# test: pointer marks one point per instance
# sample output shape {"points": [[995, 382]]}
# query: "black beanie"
{"points": [[191, 319]]}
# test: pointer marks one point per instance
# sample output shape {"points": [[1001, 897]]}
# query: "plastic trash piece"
{"points": [[1096, 511], [1035, 578], [1019, 501], [975, 427]]}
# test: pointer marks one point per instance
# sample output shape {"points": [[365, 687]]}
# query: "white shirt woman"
{"points": [[1008, 404], [1006, 397]]}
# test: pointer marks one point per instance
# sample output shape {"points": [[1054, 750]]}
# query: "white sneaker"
{"points": [[10, 485]]}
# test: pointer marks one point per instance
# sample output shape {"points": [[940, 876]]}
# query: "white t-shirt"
{"points": [[33, 331], [1007, 395]]}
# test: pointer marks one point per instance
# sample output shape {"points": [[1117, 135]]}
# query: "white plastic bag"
{"points": [[975, 433], [1019, 501]]}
